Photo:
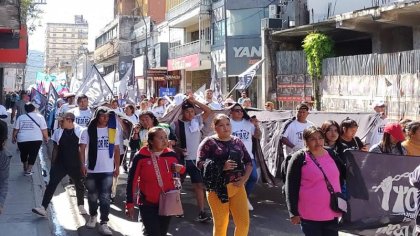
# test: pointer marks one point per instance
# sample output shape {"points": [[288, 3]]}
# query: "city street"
{"points": [[268, 218]]}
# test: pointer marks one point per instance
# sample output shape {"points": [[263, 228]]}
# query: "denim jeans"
{"points": [[319, 228], [99, 187], [253, 178]]}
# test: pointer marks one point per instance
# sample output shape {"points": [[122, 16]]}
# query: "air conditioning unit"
{"points": [[268, 23]]}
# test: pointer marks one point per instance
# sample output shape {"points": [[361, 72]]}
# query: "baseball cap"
{"points": [[395, 130], [67, 115], [378, 103], [67, 95], [186, 105]]}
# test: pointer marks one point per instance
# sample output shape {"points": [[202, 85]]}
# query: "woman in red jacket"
{"points": [[142, 176]]}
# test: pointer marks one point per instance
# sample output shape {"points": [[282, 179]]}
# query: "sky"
{"points": [[97, 12]]}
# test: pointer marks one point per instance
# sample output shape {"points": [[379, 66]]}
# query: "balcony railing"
{"points": [[187, 6], [199, 46]]}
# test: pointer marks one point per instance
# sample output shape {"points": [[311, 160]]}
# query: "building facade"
{"points": [[63, 43], [189, 57]]}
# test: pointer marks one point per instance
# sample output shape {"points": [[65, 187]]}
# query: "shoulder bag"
{"points": [[169, 202], [33, 120], [338, 201]]}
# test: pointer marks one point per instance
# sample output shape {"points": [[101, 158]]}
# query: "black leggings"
{"points": [[29, 151]]}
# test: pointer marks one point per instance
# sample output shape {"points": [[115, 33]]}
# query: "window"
{"points": [[72, 35], [54, 35], [218, 32], [245, 21]]}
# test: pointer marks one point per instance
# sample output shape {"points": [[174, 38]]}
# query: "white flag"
{"points": [[245, 79]]}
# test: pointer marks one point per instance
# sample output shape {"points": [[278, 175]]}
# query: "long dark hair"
{"points": [[386, 145]]}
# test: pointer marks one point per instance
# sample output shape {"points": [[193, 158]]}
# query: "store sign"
{"points": [[243, 52], [167, 92], [182, 63]]}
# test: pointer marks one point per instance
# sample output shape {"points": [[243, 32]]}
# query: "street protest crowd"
{"points": [[90, 144]]}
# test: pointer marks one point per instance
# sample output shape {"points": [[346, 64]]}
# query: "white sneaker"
{"points": [[91, 223], [40, 211], [250, 206], [104, 229], [82, 210]]}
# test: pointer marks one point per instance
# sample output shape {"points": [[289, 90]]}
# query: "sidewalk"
{"points": [[25, 192]]}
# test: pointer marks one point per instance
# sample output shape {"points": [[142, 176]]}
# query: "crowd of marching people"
{"points": [[91, 144]]}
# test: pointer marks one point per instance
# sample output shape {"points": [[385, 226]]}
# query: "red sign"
{"points": [[292, 98], [182, 63], [16, 55]]}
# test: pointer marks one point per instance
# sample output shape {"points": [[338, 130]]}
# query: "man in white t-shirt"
{"points": [[292, 130], [214, 105], [378, 121], [188, 132], [245, 127], [82, 113], [102, 163], [70, 103]]}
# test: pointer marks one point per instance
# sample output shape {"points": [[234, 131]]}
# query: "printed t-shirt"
{"points": [[244, 130], [28, 130]]}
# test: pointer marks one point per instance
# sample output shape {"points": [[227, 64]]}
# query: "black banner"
{"points": [[381, 199]]}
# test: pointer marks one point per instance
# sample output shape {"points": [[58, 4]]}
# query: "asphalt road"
{"points": [[268, 218]]}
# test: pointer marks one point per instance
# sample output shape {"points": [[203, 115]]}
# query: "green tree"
{"points": [[30, 13], [317, 47]]}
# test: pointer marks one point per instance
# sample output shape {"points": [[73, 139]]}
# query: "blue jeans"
{"points": [[319, 228], [253, 178], [99, 187]]}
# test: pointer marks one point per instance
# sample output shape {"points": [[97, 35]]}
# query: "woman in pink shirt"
{"points": [[307, 196]]}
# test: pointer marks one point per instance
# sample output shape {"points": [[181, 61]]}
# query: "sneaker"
{"points": [[44, 173], [40, 211], [104, 229], [82, 210], [28, 173], [250, 207], [203, 217], [91, 223]]}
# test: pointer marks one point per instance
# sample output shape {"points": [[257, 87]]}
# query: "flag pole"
{"points": [[227, 95]]}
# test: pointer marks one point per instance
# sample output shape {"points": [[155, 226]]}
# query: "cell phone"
{"points": [[234, 156]]}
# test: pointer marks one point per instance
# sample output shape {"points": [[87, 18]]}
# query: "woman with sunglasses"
{"points": [[245, 128]]}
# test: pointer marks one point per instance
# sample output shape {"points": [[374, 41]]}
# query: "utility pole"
{"points": [[146, 50]]}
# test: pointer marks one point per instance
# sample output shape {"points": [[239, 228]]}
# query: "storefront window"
{"points": [[245, 21]]}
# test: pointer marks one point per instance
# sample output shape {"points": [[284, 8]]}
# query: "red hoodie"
{"points": [[142, 175]]}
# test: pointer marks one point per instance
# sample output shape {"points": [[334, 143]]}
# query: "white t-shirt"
{"points": [[192, 135], [377, 132], [28, 130], [104, 163], [66, 107], [244, 130], [134, 118], [78, 130], [82, 116], [214, 105], [294, 133], [158, 111]]}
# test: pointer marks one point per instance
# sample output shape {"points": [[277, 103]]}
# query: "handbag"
{"points": [[338, 202], [169, 202]]}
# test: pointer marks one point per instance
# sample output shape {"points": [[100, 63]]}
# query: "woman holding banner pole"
{"points": [[313, 178]]}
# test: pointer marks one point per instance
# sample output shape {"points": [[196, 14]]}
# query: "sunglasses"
{"points": [[237, 110]]}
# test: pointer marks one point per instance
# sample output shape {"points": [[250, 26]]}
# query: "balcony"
{"points": [[188, 6], [199, 46]]}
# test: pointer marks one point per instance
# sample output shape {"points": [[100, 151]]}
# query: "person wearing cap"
{"points": [[245, 128], [29, 131], [65, 161], [19, 107], [391, 141], [377, 123], [214, 105], [292, 130], [101, 165], [82, 112], [188, 132], [70, 102]]}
